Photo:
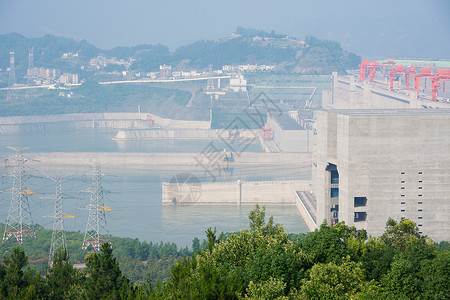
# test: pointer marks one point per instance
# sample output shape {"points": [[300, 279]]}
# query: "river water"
{"points": [[134, 192]]}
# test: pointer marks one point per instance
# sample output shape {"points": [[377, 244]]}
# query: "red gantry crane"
{"points": [[390, 62], [437, 80], [368, 67], [400, 70]]}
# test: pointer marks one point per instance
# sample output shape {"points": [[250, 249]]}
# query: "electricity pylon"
{"points": [[210, 82], [58, 236], [96, 230], [19, 222], [31, 76], [11, 93]]}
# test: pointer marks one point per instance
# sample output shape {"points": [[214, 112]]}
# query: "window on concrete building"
{"points": [[420, 210], [420, 187], [403, 187], [420, 232], [334, 193], [419, 225], [359, 201], [360, 216], [420, 172], [420, 202], [402, 202], [403, 181], [402, 210], [420, 181], [402, 195], [334, 177], [403, 173], [420, 218], [420, 195]]}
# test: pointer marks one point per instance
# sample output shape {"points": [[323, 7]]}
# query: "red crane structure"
{"points": [[437, 80], [389, 61], [368, 67], [267, 132], [424, 73], [150, 121], [399, 70]]}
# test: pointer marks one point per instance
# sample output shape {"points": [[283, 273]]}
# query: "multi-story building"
{"points": [[374, 164]]}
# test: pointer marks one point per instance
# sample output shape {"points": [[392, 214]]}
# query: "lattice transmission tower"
{"points": [[210, 82], [58, 236], [11, 93], [96, 229], [31, 76], [19, 223]]}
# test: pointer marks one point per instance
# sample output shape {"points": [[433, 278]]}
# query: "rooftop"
{"points": [[286, 122]]}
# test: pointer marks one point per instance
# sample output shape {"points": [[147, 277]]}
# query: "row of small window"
{"points": [[420, 195], [403, 181], [403, 173], [420, 202], [403, 188], [403, 210]]}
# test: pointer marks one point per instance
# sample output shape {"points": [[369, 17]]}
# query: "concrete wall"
{"points": [[290, 140], [235, 193], [398, 161], [19, 124], [185, 159], [212, 134]]}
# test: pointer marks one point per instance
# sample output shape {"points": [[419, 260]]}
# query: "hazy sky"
{"points": [[360, 25]]}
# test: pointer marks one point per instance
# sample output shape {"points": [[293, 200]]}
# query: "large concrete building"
{"points": [[374, 164]]}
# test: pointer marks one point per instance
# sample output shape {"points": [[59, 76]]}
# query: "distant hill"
{"points": [[245, 46]]}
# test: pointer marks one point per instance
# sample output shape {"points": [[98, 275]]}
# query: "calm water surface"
{"points": [[135, 192]]}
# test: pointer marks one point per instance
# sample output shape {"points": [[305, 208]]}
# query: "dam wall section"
{"points": [[233, 193], [22, 124], [172, 158], [210, 134]]}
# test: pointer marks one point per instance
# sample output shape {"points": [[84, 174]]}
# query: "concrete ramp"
{"points": [[307, 206]]}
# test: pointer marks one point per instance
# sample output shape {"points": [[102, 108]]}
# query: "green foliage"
{"points": [[264, 262], [330, 243], [63, 280], [92, 97], [270, 289], [105, 280], [331, 281], [16, 281]]}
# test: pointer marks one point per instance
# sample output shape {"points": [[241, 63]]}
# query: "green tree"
{"points": [[436, 277], [18, 282], [105, 280], [330, 243], [63, 280], [331, 281], [402, 282]]}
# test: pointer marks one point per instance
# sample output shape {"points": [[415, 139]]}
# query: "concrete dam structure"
{"points": [[190, 134], [168, 158], [22, 124], [235, 193]]}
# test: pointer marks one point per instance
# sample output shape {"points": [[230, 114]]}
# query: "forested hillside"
{"points": [[245, 46], [264, 262]]}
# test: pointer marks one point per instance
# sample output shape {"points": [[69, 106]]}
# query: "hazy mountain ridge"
{"points": [[246, 46]]}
